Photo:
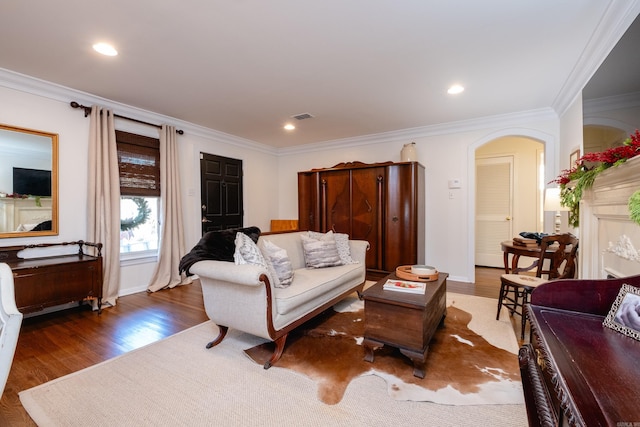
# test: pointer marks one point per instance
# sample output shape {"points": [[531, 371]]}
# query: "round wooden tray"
{"points": [[404, 272]]}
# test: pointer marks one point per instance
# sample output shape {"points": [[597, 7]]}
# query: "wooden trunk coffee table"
{"points": [[403, 320]]}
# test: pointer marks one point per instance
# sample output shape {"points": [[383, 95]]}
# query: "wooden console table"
{"points": [[575, 371], [54, 280]]}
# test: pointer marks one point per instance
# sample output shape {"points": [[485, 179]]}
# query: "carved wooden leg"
{"points": [[418, 360], [370, 346], [277, 352], [220, 337]]}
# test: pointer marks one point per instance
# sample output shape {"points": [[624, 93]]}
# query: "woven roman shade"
{"points": [[139, 164]]}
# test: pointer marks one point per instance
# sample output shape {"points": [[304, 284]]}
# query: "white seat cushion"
{"points": [[314, 285]]}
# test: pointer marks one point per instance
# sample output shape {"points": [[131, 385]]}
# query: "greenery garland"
{"points": [[570, 196], [634, 207], [141, 217], [580, 177]]}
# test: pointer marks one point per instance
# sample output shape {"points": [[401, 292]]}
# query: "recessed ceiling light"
{"points": [[455, 89], [289, 126], [105, 49]]}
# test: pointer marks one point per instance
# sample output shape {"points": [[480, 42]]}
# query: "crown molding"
{"points": [[53, 91], [501, 120], [614, 23], [608, 103], [35, 86]]}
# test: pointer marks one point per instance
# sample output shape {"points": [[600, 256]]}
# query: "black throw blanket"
{"points": [[216, 245]]}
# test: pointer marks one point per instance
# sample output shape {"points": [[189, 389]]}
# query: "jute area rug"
{"points": [[178, 382]]}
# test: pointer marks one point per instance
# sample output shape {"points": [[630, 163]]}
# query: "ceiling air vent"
{"points": [[302, 116]]}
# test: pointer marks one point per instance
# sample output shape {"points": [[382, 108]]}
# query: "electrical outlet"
{"points": [[451, 194]]}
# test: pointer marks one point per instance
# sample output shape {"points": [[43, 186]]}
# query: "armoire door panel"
{"points": [[367, 210], [336, 196], [309, 201], [404, 220]]}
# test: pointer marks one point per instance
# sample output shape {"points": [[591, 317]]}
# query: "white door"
{"points": [[494, 195]]}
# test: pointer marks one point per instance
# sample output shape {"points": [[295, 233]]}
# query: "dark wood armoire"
{"points": [[382, 203]]}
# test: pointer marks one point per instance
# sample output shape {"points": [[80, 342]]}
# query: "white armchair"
{"points": [[10, 322]]}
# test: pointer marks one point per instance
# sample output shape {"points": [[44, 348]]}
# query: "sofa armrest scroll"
{"points": [[359, 250], [245, 274]]}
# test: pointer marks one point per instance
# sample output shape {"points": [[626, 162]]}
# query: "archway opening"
{"points": [[510, 182]]}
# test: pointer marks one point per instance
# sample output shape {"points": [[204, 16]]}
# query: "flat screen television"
{"points": [[33, 182]]}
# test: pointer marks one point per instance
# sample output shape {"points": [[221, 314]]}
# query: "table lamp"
{"points": [[552, 204]]}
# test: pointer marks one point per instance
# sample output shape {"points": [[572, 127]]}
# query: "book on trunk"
{"points": [[404, 286]]}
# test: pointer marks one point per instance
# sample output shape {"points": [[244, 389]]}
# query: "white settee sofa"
{"points": [[244, 296]]}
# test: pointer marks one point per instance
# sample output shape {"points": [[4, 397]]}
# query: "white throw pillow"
{"points": [[247, 252], [280, 262], [319, 253], [342, 243]]}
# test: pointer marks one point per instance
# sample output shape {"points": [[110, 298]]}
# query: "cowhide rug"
{"points": [[472, 360]]}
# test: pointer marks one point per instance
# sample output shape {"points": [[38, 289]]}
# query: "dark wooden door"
{"points": [[220, 192]]}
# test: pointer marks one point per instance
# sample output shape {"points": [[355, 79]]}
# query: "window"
{"points": [[139, 164]]}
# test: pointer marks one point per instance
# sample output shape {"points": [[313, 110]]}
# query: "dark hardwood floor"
{"points": [[57, 344]]}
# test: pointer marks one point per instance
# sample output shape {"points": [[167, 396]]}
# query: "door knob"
{"points": [[508, 218]]}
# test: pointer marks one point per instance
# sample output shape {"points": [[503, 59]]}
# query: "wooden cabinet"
{"points": [[382, 203], [575, 371], [54, 280]]}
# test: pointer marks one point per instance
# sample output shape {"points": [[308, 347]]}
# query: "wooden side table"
{"points": [[403, 320], [517, 251]]}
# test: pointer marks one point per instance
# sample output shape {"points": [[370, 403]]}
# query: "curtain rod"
{"points": [[87, 111]]}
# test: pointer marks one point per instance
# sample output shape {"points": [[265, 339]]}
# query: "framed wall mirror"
{"points": [[28, 182]]}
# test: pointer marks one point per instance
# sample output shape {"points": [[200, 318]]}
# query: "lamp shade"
{"points": [[552, 200]]}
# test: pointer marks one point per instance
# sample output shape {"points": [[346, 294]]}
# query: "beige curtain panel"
{"points": [[103, 224], [172, 246]]}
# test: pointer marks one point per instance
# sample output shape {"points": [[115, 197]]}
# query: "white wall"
{"points": [[447, 153], [48, 109], [571, 137]]}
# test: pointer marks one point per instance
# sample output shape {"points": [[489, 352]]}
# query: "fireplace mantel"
{"points": [[609, 240]]}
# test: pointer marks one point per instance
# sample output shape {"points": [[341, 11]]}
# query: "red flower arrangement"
{"points": [[583, 176], [607, 158], [629, 149]]}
